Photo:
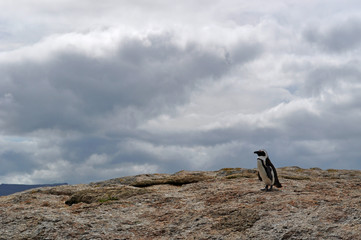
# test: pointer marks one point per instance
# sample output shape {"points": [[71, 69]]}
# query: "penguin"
{"points": [[266, 171]]}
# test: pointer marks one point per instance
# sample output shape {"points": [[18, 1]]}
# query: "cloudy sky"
{"points": [[93, 90]]}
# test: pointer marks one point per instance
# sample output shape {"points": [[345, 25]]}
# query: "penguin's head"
{"points": [[261, 153]]}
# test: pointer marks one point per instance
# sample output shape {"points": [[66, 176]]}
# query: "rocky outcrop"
{"points": [[224, 204]]}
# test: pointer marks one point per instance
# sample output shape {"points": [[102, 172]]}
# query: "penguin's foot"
{"points": [[266, 189]]}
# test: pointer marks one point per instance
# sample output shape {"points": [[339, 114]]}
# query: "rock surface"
{"points": [[224, 204]]}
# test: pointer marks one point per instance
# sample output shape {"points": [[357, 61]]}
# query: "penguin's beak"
{"points": [[256, 152]]}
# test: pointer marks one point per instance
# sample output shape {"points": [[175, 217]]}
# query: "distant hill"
{"points": [[7, 189]]}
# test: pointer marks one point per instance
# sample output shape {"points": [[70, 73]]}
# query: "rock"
{"points": [[147, 180], [224, 204], [104, 194]]}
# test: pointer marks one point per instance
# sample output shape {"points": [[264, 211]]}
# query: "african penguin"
{"points": [[266, 171]]}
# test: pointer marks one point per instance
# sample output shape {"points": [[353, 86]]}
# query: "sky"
{"points": [[93, 90]]}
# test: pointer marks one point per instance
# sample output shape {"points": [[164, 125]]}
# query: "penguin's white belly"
{"points": [[263, 174]]}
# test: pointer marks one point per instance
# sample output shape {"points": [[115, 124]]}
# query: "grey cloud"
{"points": [[323, 77], [71, 88], [73, 92], [120, 155], [327, 138], [339, 37], [244, 52], [16, 161], [214, 137], [80, 148]]}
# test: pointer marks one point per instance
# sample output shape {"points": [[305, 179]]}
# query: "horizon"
{"points": [[195, 170], [161, 87]]}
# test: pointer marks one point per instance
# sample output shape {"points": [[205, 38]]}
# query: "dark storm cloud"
{"points": [[77, 93], [67, 90], [13, 161], [339, 37]]}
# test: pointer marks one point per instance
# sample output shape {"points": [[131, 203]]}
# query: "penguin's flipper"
{"points": [[269, 172], [259, 177], [277, 182]]}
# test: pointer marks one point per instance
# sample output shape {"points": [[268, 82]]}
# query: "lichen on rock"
{"points": [[104, 194]]}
